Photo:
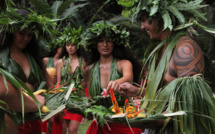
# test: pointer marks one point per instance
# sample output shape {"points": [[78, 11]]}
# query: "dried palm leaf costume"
{"points": [[11, 21], [118, 37], [190, 94]]}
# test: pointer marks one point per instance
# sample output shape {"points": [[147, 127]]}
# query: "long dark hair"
{"points": [[119, 52]]}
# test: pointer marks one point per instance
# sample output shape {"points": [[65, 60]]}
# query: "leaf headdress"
{"points": [[117, 36], [70, 35], [12, 20], [173, 12]]}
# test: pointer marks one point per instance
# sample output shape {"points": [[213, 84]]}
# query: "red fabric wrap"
{"points": [[33, 127], [57, 125], [115, 128], [72, 116]]}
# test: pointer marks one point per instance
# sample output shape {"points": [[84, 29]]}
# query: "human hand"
{"points": [[129, 90], [114, 85], [41, 100]]}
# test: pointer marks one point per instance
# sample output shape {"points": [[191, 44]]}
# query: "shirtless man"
{"points": [[184, 58]]}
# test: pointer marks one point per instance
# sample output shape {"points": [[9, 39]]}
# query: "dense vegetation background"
{"points": [[85, 12]]}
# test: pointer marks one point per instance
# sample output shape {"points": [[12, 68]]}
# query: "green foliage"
{"points": [[180, 10], [118, 36], [99, 112], [70, 35], [192, 95], [38, 24], [19, 85]]}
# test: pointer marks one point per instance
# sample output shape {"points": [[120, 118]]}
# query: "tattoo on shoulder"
{"points": [[187, 58]]}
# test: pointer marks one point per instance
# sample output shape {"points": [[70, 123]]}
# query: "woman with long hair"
{"points": [[70, 64], [20, 56], [110, 63]]}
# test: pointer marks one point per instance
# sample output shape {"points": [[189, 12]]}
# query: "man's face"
{"points": [[151, 29]]}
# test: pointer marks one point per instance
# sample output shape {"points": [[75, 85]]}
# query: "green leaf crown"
{"points": [[173, 12], [114, 34], [11, 21], [70, 35]]}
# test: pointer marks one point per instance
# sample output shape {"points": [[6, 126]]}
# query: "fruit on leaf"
{"points": [[40, 92], [45, 109], [141, 115]]}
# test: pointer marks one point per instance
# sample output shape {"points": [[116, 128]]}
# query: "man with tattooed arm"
{"points": [[177, 57]]}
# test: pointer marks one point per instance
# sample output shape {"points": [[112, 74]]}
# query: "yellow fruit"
{"points": [[141, 115], [52, 73], [61, 90], [45, 109], [40, 92]]}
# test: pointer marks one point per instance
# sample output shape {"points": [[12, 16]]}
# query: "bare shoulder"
{"points": [[124, 65], [45, 59], [60, 61], [123, 62], [187, 57]]}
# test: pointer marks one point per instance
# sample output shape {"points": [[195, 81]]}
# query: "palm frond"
{"points": [[177, 14], [64, 6], [55, 7]]}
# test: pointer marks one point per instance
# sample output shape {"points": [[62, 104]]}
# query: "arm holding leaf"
{"points": [[12, 97]]}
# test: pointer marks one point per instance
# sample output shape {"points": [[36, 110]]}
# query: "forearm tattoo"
{"points": [[187, 58]]}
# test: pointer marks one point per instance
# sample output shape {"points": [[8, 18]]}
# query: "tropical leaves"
{"points": [[192, 95], [18, 84], [99, 112], [11, 21], [118, 36], [70, 35], [168, 10]]}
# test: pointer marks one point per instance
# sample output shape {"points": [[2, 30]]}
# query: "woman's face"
{"points": [[22, 38], [105, 46], [59, 50], [71, 49]]}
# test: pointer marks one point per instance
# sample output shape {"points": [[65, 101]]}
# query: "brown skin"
{"points": [[12, 97], [20, 41], [71, 49], [56, 58], [186, 60], [105, 48]]}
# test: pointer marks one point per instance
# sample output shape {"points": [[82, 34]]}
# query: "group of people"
{"points": [[107, 64]]}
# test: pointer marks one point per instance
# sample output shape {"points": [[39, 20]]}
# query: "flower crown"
{"points": [[91, 35], [171, 12], [11, 21], [70, 35]]}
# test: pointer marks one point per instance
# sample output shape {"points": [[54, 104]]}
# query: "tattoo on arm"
{"points": [[187, 58]]}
